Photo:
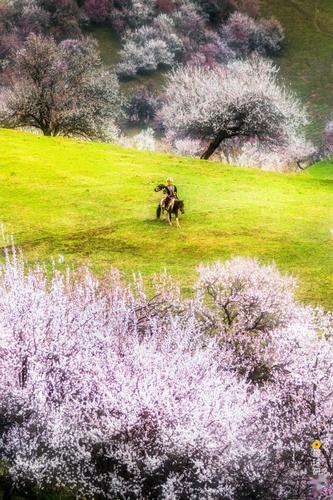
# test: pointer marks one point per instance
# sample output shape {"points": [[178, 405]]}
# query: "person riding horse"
{"points": [[170, 195], [170, 201]]}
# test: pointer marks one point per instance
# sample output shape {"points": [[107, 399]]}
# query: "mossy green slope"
{"points": [[95, 203]]}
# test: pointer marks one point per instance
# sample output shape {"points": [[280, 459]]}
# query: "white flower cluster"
{"points": [[143, 141], [112, 394]]}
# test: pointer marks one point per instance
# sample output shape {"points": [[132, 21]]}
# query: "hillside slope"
{"points": [[95, 202], [306, 60]]}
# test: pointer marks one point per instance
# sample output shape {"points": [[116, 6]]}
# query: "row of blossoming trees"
{"points": [[107, 392], [155, 34], [53, 79], [62, 88]]}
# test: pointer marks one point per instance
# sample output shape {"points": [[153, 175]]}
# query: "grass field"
{"points": [[95, 203], [306, 60]]}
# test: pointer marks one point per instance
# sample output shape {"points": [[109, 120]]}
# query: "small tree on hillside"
{"points": [[61, 89], [241, 99], [245, 35]]}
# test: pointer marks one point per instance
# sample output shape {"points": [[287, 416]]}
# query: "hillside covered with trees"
{"points": [[173, 37]]}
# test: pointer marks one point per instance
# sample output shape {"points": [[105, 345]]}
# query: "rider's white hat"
{"points": [[169, 179]]}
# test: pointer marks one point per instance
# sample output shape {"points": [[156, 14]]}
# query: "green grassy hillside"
{"points": [[95, 202], [306, 60]]}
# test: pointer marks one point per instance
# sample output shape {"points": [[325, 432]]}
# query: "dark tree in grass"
{"points": [[216, 9], [241, 99], [61, 89]]}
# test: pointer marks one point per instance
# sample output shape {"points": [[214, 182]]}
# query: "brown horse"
{"points": [[175, 207]]}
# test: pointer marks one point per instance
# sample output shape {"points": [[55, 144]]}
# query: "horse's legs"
{"points": [[170, 218], [177, 220]]}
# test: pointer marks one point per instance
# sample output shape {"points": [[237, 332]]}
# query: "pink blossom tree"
{"points": [[107, 393], [111, 394], [245, 35], [98, 11], [61, 89]]}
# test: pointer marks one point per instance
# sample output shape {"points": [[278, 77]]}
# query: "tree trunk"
{"points": [[215, 144], [8, 490], [46, 129]]}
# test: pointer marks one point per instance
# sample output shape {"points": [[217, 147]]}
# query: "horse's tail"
{"points": [[158, 211]]}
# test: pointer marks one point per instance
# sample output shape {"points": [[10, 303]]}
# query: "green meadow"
{"points": [[306, 60], [95, 203]]}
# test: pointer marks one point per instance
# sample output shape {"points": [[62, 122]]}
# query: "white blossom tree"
{"points": [[61, 89], [295, 153], [240, 99], [145, 140], [150, 47]]}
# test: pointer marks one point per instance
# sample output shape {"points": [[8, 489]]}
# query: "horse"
{"points": [[176, 207]]}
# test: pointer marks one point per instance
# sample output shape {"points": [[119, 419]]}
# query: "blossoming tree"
{"points": [[240, 99], [61, 89], [112, 394]]}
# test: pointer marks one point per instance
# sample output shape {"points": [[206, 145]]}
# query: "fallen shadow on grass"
{"points": [[157, 222], [86, 242], [78, 242]]}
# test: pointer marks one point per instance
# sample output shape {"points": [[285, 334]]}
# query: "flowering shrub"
{"points": [[197, 32], [119, 425], [187, 147], [98, 11], [155, 35], [244, 35], [145, 140], [150, 47], [41, 16], [20, 18], [112, 394], [290, 156]]}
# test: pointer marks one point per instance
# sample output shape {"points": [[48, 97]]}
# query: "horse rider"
{"points": [[170, 195]]}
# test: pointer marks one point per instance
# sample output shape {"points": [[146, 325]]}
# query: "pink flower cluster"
{"points": [[113, 394]]}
